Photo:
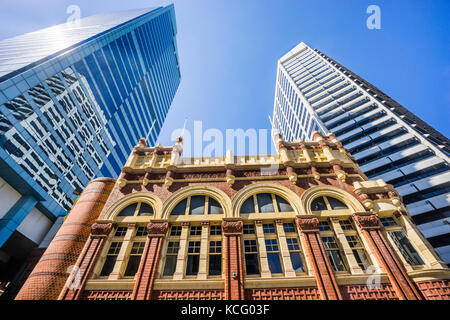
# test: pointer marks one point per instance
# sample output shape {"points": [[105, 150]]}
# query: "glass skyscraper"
{"points": [[74, 99], [315, 93]]}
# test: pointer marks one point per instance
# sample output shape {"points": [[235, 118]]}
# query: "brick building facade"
{"points": [[305, 224]]}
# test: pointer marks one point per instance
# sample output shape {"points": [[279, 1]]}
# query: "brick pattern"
{"points": [[403, 285], [50, 274], [316, 255], [86, 263], [147, 269], [306, 293], [188, 295], [233, 268], [363, 292], [106, 295], [435, 289], [233, 260]]}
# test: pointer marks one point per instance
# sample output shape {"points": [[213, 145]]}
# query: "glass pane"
{"points": [[288, 227], [318, 204], [361, 258], [171, 263], [180, 208], [108, 266], [249, 228], [274, 262], [283, 205], [248, 206], [192, 264], [132, 266], [387, 222], [145, 210], [214, 207], [335, 259], [215, 265], [197, 205], [128, 211], [265, 203], [297, 263], [405, 247], [336, 204], [251, 263], [324, 226], [268, 228]]}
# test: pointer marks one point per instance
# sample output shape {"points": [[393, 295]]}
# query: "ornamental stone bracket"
{"points": [[307, 223], [232, 226], [157, 228], [366, 220], [121, 183], [101, 228]]}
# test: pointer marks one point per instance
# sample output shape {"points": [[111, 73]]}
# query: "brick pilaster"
{"points": [[145, 276], [232, 257], [315, 253], [403, 285], [86, 262], [50, 274]]}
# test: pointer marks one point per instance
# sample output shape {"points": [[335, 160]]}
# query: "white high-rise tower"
{"points": [[315, 93]]}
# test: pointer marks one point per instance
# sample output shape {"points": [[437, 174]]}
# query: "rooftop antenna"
{"points": [[184, 127], [149, 131]]}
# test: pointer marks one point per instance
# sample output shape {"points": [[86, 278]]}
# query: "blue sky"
{"points": [[229, 49]]}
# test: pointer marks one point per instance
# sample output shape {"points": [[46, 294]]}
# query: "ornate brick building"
{"points": [[304, 224]]}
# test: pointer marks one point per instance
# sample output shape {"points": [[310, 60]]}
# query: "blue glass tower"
{"points": [[74, 99]]}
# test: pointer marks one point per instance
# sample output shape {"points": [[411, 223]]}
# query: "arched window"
{"points": [[265, 203], [327, 203], [197, 205], [136, 209]]}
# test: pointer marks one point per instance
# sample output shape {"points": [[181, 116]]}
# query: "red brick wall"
{"points": [[50, 274], [188, 295], [306, 293], [435, 289], [106, 295], [362, 292]]}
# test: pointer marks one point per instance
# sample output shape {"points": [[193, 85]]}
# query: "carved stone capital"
{"points": [[307, 224], [205, 223], [232, 226], [157, 228], [366, 221], [279, 221], [100, 229], [185, 224]]}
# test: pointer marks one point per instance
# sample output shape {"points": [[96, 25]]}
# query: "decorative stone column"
{"points": [[50, 274], [179, 270], [232, 258], [86, 262], [265, 271], [317, 257], [403, 285], [202, 272], [145, 276]]}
